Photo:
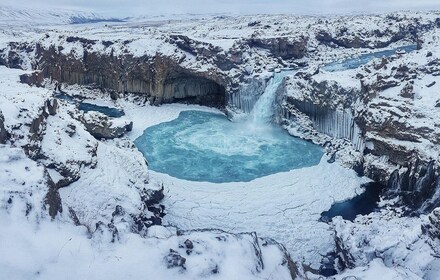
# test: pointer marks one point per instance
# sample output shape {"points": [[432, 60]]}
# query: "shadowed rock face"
{"points": [[432, 226], [12, 59], [161, 79], [3, 132], [194, 90], [53, 199], [283, 47]]}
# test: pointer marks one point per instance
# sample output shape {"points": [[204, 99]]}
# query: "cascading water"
{"points": [[202, 146], [263, 110]]}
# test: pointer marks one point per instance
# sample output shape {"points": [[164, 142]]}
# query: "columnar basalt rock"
{"points": [[157, 77], [3, 132], [384, 116]]}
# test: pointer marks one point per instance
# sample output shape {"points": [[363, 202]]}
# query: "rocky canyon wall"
{"points": [[380, 108], [158, 78]]}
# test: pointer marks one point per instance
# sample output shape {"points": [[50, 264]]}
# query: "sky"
{"points": [[122, 8]]}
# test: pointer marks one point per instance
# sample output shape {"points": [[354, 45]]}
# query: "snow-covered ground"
{"points": [[43, 249], [111, 189], [284, 206], [287, 210], [13, 16], [109, 182]]}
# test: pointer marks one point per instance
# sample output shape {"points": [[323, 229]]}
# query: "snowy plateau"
{"points": [[83, 197]]}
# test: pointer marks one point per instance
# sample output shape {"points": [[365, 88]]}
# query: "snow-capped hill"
{"points": [[14, 16]]}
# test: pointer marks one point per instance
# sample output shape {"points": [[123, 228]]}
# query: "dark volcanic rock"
{"points": [[430, 84], [52, 106], [159, 77], [36, 132], [13, 59], [384, 83], [283, 47], [114, 95], [432, 228], [173, 259], [417, 185], [407, 91], [53, 198], [3, 132], [151, 199], [189, 244], [102, 127]]}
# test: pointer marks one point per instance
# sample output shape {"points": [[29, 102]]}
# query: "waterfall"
{"points": [[263, 110], [337, 123], [257, 98]]}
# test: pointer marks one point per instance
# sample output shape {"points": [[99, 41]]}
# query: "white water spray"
{"points": [[263, 110]]}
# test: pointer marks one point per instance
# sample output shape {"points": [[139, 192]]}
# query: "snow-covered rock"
{"points": [[386, 109], [100, 126], [387, 235], [385, 114], [77, 206]]}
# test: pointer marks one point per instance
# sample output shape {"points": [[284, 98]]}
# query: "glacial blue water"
{"points": [[207, 147], [65, 97], [86, 107], [109, 111], [353, 63], [362, 204]]}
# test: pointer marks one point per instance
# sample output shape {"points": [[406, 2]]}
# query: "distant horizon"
{"points": [[138, 8]]}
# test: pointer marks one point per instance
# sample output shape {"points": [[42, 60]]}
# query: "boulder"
{"points": [[52, 106], [102, 127], [174, 259], [114, 95], [407, 91], [431, 84]]}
